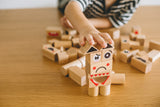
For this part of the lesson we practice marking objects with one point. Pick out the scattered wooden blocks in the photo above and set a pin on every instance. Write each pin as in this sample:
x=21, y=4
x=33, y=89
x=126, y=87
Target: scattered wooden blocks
x=73, y=53
x=141, y=64
x=78, y=75
x=153, y=55
x=49, y=51
x=118, y=78
x=125, y=43
x=136, y=30
x=62, y=57
x=154, y=45
x=54, y=31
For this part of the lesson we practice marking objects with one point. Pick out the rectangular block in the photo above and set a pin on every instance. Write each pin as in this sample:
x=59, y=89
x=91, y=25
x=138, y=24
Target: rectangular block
x=125, y=43
x=141, y=64
x=66, y=37
x=134, y=45
x=154, y=45
x=75, y=42
x=141, y=39
x=62, y=57
x=136, y=30
x=133, y=36
x=65, y=44
x=118, y=78
x=54, y=31
x=78, y=75
x=114, y=33
x=49, y=51
x=143, y=55
x=70, y=32
x=73, y=53
x=87, y=48
x=153, y=55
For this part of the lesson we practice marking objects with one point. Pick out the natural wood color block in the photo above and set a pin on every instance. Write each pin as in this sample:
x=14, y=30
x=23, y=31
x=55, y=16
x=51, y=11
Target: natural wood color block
x=105, y=90
x=93, y=91
x=134, y=45
x=136, y=30
x=113, y=32
x=118, y=78
x=80, y=54
x=49, y=51
x=65, y=44
x=54, y=31
x=132, y=36
x=66, y=37
x=143, y=55
x=78, y=75
x=75, y=42
x=73, y=53
x=114, y=54
x=141, y=64
x=62, y=57
x=87, y=48
x=141, y=39
x=52, y=40
x=153, y=55
x=154, y=45
x=71, y=32
x=79, y=63
x=125, y=43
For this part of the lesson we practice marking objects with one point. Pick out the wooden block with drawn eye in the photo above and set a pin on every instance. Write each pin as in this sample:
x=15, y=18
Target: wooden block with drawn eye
x=75, y=42
x=125, y=43
x=49, y=51
x=143, y=55
x=141, y=64
x=54, y=31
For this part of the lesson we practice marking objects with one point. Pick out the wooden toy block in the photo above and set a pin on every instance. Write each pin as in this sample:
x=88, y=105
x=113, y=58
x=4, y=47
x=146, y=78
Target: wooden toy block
x=78, y=75
x=143, y=55
x=118, y=78
x=71, y=32
x=52, y=40
x=80, y=54
x=136, y=30
x=105, y=90
x=62, y=57
x=75, y=42
x=73, y=53
x=133, y=36
x=114, y=54
x=116, y=43
x=87, y=48
x=54, y=31
x=65, y=44
x=153, y=55
x=125, y=55
x=154, y=45
x=125, y=43
x=79, y=63
x=134, y=45
x=141, y=64
x=141, y=39
x=49, y=51
x=66, y=37
x=93, y=91
x=114, y=33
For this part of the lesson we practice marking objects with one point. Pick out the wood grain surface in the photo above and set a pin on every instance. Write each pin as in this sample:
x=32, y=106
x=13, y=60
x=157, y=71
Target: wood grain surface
x=27, y=79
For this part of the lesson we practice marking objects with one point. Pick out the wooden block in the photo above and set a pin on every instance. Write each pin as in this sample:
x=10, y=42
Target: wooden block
x=75, y=42
x=153, y=55
x=93, y=91
x=73, y=53
x=136, y=30
x=49, y=51
x=114, y=33
x=65, y=44
x=143, y=55
x=87, y=48
x=141, y=64
x=62, y=57
x=71, y=32
x=52, y=40
x=66, y=37
x=114, y=55
x=141, y=39
x=79, y=63
x=154, y=45
x=78, y=75
x=105, y=90
x=133, y=36
x=118, y=78
x=125, y=43
x=80, y=54
x=134, y=45
x=54, y=31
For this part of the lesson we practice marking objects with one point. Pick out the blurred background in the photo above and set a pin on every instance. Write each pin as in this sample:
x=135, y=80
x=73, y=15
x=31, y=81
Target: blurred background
x=22, y=4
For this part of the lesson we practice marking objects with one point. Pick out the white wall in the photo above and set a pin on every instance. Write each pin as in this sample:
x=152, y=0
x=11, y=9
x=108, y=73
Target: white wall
x=20, y=4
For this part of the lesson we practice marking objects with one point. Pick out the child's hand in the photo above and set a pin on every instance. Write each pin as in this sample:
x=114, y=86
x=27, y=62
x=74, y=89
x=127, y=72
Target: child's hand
x=95, y=36
x=65, y=22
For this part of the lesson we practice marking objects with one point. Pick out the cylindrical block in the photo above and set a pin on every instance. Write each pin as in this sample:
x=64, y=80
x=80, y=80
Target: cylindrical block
x=93, y=91
x=118, y=78
x=65, y=44
x=62, y=57
x=105, y=90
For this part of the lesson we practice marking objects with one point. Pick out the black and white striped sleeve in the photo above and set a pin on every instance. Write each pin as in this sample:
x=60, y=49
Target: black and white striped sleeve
x=121, y=13
x=83, y=4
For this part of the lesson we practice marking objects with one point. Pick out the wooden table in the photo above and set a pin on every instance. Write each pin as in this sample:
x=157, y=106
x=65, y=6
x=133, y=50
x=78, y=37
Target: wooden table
x=27, y=79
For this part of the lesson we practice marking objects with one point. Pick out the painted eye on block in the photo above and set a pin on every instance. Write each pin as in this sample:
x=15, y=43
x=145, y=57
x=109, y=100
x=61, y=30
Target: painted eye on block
x=107, y=55
x=96, y=58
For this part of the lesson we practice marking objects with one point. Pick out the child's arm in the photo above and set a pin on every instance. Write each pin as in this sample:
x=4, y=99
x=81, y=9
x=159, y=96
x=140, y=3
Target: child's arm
x=87, y=31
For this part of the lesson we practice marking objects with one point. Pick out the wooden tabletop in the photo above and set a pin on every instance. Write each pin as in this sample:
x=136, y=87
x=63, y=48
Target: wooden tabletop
x=27, y=79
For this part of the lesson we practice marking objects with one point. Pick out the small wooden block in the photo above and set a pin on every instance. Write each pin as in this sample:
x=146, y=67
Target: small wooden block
x=153, y=55
x=136, y=30
x=141, y=39
x=118, y=78
x=154, y=45
x=133, y=36
x=62, y=57
x=80, y=54
x=75, y=42
x=65, y=44
x=49, y=51
x=134, y=45
x=52, y=40
x=54, y=31
x=66, y=37
x=93, y=91
x=79, y=63
x=105, y=90
x=71, y=32
x=143, y=55
x=73, y=53
x=114, y=33
x=125, y=43
x=87, y=48
x=141, y=64
x=78, y=75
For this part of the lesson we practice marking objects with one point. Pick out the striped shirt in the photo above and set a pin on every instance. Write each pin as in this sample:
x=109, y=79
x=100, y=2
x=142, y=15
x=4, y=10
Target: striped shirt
x=118, y=14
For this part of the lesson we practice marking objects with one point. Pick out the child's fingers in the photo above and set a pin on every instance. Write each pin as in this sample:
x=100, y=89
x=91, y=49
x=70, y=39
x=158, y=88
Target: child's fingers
x=100, y=40
x=81, y=40
x=107, y=37
x=89, y=38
